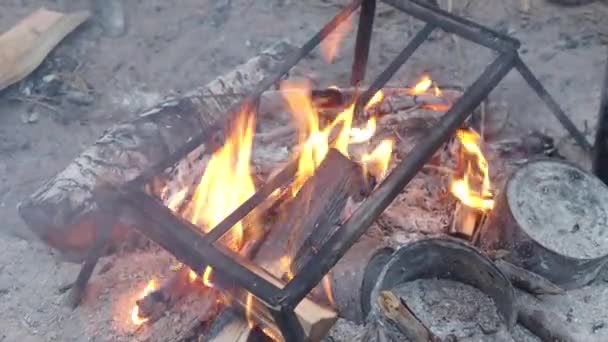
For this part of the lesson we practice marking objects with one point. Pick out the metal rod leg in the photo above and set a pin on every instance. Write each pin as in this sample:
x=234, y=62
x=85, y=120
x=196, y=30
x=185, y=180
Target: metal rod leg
x=600, y=147
x=540, y=90
x=288, y=324
x=364, y=39
x=103, y=236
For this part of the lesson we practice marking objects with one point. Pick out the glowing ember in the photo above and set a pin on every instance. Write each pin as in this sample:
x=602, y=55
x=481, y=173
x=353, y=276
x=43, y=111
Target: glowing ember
x=331, y=44
x=376, y=163
x=472, y=188
x=135, y=318
x=192, y=276
x=249, y=310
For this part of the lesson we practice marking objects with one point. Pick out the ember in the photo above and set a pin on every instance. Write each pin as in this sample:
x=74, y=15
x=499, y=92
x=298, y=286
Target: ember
x=135, y=318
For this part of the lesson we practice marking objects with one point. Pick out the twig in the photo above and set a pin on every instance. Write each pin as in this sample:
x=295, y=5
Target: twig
x=399, y=314
x=526, y=280
x=35, y=102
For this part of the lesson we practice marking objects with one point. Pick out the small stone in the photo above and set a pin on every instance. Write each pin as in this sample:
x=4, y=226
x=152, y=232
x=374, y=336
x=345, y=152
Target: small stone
x=79, y=98
x=30, y=118
x=49, y=78
x=597, y=326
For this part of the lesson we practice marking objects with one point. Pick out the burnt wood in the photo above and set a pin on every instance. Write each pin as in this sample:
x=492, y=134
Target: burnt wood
x=62, y=211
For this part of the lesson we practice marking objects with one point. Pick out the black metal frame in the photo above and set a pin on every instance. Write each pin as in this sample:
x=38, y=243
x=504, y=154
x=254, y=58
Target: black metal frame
x=282, y=301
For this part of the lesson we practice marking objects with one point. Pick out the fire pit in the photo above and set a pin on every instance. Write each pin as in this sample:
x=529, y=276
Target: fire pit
x=315, y=235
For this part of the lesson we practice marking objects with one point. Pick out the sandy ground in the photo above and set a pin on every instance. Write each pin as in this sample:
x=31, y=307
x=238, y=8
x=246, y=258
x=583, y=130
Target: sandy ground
x=174, y=45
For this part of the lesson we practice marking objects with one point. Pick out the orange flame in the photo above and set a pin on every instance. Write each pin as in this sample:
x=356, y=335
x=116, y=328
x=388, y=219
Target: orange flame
x=135, y=318
x=422, y=86
x=359, y=135
x=331, y=44
x=226, y=184
x=249, y=310
x=376, y=163
x=473, y=187
x=328, y=292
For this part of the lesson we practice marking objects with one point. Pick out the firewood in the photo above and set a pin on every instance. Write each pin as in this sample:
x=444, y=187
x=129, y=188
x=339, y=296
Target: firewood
x=526, y=280
x=26, y=45
x=397, y=312
x=544, y=323
x=318, y=203
x=548, y=217
x=465, y=221
x=61, y=211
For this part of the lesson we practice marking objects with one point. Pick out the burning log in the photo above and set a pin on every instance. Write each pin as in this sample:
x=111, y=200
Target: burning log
x=62, y=213
x=318, y=203
x=550, y=219
x=308, y=220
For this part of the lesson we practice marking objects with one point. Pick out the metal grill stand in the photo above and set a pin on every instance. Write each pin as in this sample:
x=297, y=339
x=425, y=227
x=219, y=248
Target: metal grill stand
x=197, y=250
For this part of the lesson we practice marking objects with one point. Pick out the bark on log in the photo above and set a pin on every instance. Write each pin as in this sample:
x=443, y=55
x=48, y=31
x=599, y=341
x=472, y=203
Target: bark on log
x=550, y=218
x=61, y=211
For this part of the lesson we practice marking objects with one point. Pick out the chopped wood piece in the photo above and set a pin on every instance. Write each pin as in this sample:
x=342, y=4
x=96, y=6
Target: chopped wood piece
x=526, y=280
x=465, y=221
x=400, y=315
x=26, y=45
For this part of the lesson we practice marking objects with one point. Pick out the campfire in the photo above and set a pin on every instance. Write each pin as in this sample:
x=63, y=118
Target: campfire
x=283, y=252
